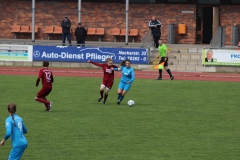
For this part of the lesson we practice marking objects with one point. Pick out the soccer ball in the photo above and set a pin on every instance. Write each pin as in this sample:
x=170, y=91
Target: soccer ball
x=131, y=103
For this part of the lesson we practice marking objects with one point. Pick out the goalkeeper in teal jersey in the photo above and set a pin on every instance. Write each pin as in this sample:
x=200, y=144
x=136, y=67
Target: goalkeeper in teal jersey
x=15, y=129
x=126, y=80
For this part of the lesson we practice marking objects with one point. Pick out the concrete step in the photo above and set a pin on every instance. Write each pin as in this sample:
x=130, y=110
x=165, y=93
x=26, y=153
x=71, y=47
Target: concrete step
x=181, y=49
x=188, y=68
x=179, y=55
x=197, y=62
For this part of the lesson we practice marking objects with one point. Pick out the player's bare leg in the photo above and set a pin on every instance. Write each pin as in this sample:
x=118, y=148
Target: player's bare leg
x=101, y=93
x=106, y=95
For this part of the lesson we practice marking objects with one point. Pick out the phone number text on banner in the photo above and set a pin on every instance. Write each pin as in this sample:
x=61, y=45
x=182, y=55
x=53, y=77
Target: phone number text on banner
x=83, y=54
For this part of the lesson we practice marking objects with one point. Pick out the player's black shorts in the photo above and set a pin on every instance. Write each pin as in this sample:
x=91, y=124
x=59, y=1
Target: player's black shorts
x=162, y=60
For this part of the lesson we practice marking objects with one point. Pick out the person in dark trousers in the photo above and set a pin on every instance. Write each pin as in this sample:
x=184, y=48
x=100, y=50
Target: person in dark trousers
x=66, y=26
x=80, y=34
x=155, y=26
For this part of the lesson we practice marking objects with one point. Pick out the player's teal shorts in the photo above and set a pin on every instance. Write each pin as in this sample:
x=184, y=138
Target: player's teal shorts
x=124, y=86
x=17, y=152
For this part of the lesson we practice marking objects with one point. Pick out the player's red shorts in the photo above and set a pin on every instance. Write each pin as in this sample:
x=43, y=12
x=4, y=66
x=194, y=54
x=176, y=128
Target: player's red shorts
x=107, y=83
x=44, y=92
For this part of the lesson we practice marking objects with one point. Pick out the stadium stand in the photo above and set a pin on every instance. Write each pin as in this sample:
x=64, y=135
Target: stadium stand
x=91, y=31
x=133, y=33
x=35, y=29
x=15, y=30
x=115, y=33
x=48, y=31
x=24, y=29
x=100, y=32
x=57, y=30
x=123, y=32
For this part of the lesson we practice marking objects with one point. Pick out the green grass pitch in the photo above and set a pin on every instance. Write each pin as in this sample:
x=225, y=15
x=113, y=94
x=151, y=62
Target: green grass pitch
x=171, y=120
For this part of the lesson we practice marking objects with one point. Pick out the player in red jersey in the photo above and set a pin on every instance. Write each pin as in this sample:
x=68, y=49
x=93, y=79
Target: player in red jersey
x=47, y=79
x=108, y=78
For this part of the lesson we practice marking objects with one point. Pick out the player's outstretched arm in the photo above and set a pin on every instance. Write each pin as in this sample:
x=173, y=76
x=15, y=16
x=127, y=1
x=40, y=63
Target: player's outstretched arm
x=95, y=63
x=116, y=69
x=2, y=142
x=8, y=132
x=37, y=82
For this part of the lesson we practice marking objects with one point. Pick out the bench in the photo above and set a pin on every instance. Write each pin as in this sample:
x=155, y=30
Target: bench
x=122, y=32
x=48, y=31
x=133, y=33
x=100, y=32
x=96, y=31
x=15, y=30
x=22, y=29
x=35, y=29
x=57, y=30
x=115, y=33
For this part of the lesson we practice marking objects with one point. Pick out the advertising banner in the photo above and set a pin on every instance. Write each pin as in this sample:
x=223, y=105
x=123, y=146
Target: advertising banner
x=221, y=57
x=16, y=52
x=83, y=54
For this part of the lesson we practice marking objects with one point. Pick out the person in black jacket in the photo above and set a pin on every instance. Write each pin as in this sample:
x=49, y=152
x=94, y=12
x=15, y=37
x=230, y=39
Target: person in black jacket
x=66, y=26
x=80, y=34
x=155, y=26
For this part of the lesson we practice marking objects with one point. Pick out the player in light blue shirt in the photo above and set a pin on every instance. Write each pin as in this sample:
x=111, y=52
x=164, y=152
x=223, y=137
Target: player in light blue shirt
x=126, y=80
x=15, y=129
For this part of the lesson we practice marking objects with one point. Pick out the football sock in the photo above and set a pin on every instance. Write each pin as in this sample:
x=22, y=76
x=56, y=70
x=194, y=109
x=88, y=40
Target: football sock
x=169, y=72
x=46, y=105
x=101, y=93
x=42, y=100
x=121, y=98
x=160, y=73
x=119, y=95
x=105, y=97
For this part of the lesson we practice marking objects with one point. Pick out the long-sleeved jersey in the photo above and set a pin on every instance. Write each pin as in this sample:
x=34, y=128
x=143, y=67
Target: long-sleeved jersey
x=15, y=132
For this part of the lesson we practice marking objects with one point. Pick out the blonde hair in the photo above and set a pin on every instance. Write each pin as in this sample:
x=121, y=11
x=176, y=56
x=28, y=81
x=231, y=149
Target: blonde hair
x=108, y=60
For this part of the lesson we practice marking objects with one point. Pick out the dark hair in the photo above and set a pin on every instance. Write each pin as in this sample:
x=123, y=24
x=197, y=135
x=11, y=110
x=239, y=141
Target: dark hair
x=123, y=63
x=12, y=109
x=45, y=63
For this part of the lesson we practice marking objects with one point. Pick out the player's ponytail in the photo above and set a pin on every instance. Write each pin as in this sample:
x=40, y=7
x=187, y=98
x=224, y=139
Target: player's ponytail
x=12, y=109
x=123, y=63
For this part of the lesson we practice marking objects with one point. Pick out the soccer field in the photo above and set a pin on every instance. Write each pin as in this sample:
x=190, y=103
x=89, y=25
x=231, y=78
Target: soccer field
x=171, y=120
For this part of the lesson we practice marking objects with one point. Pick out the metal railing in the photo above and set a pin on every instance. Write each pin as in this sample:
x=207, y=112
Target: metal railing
x=147, y=40
x=219, y=38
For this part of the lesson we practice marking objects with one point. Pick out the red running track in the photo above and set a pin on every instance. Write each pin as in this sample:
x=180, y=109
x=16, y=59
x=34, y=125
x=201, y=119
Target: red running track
x=198, y=76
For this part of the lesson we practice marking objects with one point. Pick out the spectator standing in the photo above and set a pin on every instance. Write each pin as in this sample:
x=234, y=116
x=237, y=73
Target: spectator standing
x=66, y=26
x=80, y=34
x=155, y=26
